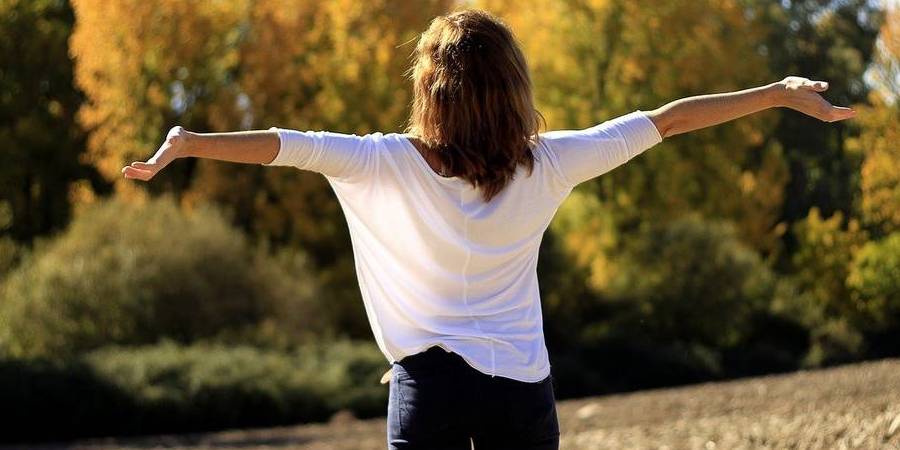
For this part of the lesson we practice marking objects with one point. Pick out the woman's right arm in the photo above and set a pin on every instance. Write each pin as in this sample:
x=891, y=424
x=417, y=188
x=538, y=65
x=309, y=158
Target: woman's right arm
x=701, y=111
x=249, y=147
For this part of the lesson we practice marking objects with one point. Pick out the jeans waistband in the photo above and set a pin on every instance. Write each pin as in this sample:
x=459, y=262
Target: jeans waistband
x=434, y=356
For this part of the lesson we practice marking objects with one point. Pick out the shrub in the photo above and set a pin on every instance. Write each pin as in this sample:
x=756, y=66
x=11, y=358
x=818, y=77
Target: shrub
x=688, y=302
x=621, y=361
x=874, y=282
x=874, y=279
x=773, y=343
x=816, y=292
x=9, y=249
x=128, y=273
x=820, y=264
x=51, y=400
x=172, y=388
x=694, y=282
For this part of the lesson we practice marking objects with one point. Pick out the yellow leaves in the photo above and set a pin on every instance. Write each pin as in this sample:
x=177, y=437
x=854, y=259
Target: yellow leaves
x=632, y=71
x=303, y=64
x=826, y=248
x=589, y=237
x=874, y=279
x=888, y=59
x=341, y=69
x=890, y=32
x=128, y=53
x=227, y=65
x=828, y=233
x=748, y=182
x=880, y=171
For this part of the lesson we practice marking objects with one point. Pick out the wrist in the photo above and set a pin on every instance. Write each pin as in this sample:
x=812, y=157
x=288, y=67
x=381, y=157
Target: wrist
x=187, y=143
x=776, y=94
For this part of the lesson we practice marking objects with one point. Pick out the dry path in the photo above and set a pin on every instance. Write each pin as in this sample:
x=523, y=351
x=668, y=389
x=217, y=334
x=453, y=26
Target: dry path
x=855, y=406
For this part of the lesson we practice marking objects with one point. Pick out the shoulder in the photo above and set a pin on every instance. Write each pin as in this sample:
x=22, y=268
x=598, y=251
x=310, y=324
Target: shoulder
x=396, y=142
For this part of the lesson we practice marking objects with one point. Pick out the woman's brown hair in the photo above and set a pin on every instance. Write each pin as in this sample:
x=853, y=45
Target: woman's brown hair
x=472, y=99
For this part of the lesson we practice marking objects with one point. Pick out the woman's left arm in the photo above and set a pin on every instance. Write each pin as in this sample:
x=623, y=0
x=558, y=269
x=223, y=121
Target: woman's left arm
x=701, y=111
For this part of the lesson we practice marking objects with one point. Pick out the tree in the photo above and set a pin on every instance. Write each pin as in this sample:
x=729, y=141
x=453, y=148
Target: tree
x=829, y=41
x=42, y=142
x=880, y=175
x=145, y=65
x=886, y=70
x=215, y=66
x=879, y=134
x=593, y=60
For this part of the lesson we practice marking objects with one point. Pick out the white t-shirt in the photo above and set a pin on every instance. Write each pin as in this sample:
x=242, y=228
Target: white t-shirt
x=436, y=264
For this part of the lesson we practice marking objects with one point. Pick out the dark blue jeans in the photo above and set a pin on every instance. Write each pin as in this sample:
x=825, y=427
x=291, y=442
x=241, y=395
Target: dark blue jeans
x=438, y=402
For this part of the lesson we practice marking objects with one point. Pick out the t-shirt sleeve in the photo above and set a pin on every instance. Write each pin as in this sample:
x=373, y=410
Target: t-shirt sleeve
x=581, y=155
x=337, y=155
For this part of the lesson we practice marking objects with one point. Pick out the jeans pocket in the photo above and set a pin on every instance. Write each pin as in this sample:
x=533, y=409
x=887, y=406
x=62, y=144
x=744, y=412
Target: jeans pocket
x=426, y=404
x=533, y=406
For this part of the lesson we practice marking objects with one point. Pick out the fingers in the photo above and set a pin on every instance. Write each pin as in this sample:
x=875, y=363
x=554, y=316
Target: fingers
x=840, y=113
x=137, y=174
x=142, y=170
x=830, y=113
x=816, y=106
x=143, y=165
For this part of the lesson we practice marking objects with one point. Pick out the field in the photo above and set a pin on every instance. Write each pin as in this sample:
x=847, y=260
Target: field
x=854, y=406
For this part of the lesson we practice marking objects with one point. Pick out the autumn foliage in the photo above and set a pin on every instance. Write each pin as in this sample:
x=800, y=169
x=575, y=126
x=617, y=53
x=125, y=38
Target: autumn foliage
x=768, y=243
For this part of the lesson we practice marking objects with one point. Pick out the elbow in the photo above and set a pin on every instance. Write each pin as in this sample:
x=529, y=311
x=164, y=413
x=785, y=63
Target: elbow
x=667, y=130
x=665, y=121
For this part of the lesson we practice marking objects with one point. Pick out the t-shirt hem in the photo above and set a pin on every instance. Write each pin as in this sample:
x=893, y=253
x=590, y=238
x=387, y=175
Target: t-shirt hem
x=483, y=369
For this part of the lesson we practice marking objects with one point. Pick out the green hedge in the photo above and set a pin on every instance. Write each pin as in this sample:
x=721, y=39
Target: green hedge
x=170, y=388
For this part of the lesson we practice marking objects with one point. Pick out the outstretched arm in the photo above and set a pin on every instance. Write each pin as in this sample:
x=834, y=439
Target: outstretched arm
x=249, y=147
x=701, y=111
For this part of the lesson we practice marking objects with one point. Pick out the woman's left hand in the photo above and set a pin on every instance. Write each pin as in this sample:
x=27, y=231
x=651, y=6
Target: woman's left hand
x=172, y=148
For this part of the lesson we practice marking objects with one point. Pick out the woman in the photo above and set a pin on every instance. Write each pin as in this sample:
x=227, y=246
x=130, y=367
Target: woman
x=446, y=221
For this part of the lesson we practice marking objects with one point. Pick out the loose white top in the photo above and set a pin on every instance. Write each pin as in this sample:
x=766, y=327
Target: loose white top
x=436, y=264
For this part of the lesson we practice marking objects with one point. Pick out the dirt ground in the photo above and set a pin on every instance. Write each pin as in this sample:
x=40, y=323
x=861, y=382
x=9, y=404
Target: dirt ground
x=856, y=406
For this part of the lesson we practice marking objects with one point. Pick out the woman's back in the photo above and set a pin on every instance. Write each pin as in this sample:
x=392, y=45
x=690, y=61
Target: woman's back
x=437, y=265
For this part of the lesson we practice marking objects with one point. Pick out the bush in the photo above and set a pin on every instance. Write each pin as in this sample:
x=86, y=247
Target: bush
x=688, y=302
x=773, y=343
x=820, y=264
x=874, y=281
x=9, y=254
x=694, y=282
x=128, y=273
x=52, y=400
x=9, y=249
x=620, y=362
x=171, y=388
x=816, y=292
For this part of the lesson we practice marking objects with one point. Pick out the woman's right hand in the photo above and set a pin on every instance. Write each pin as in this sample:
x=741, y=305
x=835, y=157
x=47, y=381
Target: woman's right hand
x=172, y=148
x=802, y=94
